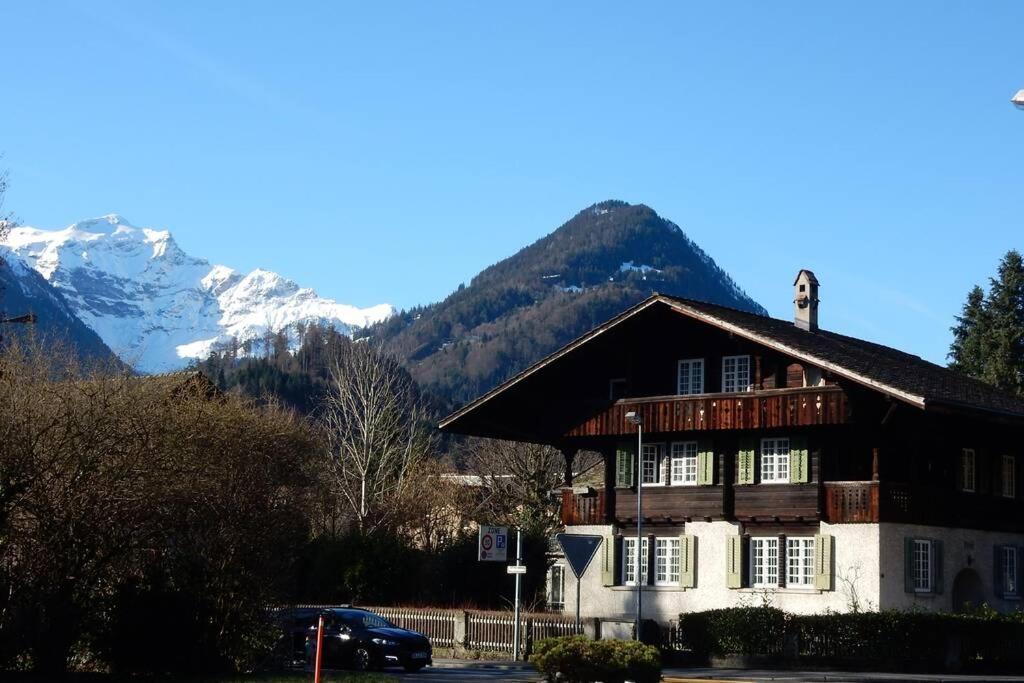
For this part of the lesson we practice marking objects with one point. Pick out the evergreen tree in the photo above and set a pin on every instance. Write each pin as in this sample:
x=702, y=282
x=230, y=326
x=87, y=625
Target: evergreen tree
x=1004, y=352
x=966, y=353
x=988, y=339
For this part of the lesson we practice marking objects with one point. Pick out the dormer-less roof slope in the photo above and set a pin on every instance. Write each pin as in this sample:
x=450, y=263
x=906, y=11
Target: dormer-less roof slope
x=903, y=376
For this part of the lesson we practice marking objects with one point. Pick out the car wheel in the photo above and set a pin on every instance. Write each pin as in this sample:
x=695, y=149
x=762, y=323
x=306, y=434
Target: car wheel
x=362, y=659
x=413, y=667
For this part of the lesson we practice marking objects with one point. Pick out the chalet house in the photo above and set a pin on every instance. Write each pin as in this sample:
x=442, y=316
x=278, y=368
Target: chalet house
x=780, y=462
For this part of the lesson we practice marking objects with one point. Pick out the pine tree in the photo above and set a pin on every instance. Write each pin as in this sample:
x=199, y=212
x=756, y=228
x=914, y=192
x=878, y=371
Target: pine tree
x=966, y=353
x=1004, y=340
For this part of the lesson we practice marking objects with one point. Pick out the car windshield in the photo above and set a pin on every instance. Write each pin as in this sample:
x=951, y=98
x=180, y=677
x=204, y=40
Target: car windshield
x=365, y=620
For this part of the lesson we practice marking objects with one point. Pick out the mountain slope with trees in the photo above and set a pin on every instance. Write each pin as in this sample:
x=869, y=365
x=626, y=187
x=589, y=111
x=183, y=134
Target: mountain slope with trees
x=603, y=260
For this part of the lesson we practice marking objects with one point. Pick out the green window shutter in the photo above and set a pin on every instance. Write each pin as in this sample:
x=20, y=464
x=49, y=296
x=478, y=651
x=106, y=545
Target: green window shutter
x=625, y=464
x=608, y=560
x=799, y=472
x=908, y=565
x=937, y=566
x=705, y=463
x=824, y=558
x=734, y=561
x=687, y=561
x=745, y=464
x=997, y=571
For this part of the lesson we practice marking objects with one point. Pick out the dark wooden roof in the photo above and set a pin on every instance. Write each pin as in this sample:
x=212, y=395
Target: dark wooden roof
x=895, y=373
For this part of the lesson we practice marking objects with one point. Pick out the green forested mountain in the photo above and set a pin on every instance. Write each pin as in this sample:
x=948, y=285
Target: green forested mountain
x=603, y=260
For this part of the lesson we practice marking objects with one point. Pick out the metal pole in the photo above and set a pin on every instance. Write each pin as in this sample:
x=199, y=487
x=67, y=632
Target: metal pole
x=638, y=576
x=579, y=580
x=319, y=648
x=515, y=625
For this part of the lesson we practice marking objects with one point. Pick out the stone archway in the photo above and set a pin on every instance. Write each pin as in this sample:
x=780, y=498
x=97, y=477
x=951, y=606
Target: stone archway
x=968, y=593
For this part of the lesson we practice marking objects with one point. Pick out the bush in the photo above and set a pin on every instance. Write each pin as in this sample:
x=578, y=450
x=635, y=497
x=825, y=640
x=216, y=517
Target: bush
x=985, y=640
x=581, y=660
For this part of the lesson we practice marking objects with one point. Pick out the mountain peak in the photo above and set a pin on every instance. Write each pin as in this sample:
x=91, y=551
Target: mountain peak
x=103, y=224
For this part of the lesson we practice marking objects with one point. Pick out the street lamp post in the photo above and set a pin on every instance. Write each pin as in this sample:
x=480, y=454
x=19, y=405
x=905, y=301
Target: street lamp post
x=635, y=419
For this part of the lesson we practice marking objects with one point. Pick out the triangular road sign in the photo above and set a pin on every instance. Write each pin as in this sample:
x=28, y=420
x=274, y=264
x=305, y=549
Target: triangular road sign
x=579, y=550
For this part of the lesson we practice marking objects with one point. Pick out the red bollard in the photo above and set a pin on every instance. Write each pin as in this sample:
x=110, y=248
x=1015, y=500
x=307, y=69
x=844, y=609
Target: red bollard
x=319, y=648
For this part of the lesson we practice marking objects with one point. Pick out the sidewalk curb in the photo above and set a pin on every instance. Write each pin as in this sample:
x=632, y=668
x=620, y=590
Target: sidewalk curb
x=484, y=664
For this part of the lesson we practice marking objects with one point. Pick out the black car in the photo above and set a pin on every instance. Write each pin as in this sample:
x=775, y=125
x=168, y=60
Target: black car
x=359, y=639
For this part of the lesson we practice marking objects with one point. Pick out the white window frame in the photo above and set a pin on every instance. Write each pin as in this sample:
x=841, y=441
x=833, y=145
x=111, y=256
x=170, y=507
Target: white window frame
x=968, y=470
x=683, y=468
x=694, y=380
x=1009, y=478
x=659, y=464
x=764, y=562
x=667, y=556
x=629, y=561
x=923, y=574
x=800, y=562
x=1009, y=572
x=559, y=582
x=732, y=380
x=775, y=460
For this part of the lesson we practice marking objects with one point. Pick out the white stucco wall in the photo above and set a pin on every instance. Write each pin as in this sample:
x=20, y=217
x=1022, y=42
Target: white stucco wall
x=962, y=549
x=855, y=564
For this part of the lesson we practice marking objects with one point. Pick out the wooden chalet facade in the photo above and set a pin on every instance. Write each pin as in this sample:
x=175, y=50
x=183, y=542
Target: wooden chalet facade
x=825, y=471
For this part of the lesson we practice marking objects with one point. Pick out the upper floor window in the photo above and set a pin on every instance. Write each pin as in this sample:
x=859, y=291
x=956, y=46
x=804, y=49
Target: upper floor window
x=690, y=379
x=684, y=463
x=967, y=469
x=616, y=388
x=1009, y=477
x=629, y=561
x=800, y=562
x=775, y=461
x=922, y=565
x=650, y=464
x=666, y=562
x=735, y=373
x=764, y=562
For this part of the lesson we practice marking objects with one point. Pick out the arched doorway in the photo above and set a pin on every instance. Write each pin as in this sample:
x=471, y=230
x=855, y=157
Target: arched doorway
x=968, y=593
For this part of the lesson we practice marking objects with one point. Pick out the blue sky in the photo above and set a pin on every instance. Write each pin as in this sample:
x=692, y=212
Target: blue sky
x=389, y=151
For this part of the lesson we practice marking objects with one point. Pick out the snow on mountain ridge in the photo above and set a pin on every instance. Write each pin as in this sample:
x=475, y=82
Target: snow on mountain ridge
x=156, y=306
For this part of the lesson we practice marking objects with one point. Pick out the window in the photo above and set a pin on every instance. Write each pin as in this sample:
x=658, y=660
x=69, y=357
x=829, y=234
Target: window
x=616, y=388
x=800, y=562
x=556, y=587
x=735, y=373
x=764, y=562
x=684, y=463
x=775, y=461
x=1008, y=570
x=967, y=470
x=691, y=376
x=650, y=465
x=629, y=561
x=1009, y=477
x=922, y=571
x=666, y=561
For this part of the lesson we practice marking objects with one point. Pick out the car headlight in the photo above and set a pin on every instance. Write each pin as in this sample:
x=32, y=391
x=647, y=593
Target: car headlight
x=385, y=642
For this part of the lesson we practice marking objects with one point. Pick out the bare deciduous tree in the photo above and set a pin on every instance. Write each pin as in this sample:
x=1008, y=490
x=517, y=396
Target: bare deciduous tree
x=377, y=429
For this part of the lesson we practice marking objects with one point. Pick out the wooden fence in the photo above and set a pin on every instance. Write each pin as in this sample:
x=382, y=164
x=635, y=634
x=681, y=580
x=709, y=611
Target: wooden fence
x=473, y=629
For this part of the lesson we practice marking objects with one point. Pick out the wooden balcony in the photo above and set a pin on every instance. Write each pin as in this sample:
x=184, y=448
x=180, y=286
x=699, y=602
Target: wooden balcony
x=851, y=502
x=799, y=407
x=776, y=502
x=672, y=504
x=583, y=508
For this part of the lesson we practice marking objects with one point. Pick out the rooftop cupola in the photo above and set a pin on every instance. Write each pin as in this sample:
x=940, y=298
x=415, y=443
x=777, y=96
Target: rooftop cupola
x=805, y=301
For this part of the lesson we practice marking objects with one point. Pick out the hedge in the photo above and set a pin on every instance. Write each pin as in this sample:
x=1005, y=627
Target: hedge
x=889, y=639
x=577, y=659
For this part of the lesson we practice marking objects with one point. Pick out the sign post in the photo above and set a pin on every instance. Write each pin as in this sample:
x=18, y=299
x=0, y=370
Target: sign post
x=579, y=550
x=519, y=575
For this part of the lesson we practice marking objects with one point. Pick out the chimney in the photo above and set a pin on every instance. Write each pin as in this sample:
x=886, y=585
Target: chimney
x=805, y=301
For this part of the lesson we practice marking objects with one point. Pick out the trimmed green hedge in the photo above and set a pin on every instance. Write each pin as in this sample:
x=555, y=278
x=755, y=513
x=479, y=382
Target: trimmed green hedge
x=891, y=639
x=581, y=660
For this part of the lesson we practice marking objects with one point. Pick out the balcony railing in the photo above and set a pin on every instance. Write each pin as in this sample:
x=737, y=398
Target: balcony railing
x=583, y=508
x=851, y=501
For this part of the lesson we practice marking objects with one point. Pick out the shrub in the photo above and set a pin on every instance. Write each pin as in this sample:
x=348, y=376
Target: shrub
x=581, y=660
x=739, y=630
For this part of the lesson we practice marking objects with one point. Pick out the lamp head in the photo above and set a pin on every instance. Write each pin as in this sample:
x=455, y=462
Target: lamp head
x=1018, y=99
x=633, y=418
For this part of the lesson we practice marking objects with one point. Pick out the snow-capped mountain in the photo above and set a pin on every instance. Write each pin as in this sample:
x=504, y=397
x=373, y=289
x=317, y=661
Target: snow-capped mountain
x=157, y=307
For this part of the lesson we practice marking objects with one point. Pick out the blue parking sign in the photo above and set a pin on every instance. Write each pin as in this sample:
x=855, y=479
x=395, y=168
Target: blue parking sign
x=499, y=541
